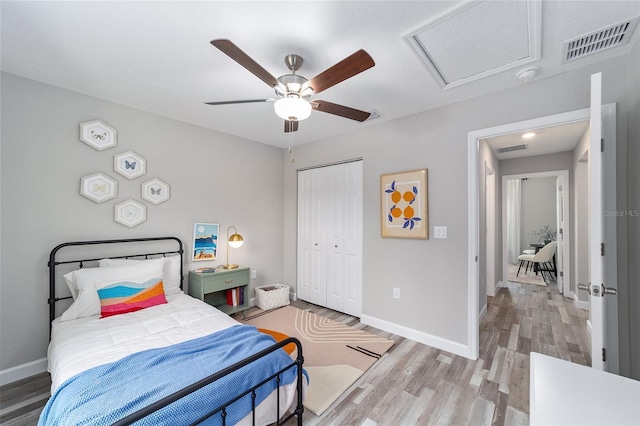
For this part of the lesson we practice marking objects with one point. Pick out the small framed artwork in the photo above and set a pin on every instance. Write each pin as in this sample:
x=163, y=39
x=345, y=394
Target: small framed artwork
x=403, y=204
x=155, y=191
x=98, y=187
x=98, y=134
x=130, y=213
x=129, y=164
x=205, y=241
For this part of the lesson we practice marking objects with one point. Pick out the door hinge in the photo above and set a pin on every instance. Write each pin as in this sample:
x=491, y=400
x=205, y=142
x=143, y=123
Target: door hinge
x=604, y=355
x=601, y=145
x=601, y=249
x=561, y=232
x=476, y=258
x=561, y=274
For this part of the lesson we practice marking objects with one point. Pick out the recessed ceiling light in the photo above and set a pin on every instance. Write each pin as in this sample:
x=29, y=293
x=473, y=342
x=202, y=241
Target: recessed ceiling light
x=528, y=135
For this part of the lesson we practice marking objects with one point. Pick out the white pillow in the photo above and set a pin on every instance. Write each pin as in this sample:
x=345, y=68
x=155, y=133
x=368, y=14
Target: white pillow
x=83, y=281
x=171, y=270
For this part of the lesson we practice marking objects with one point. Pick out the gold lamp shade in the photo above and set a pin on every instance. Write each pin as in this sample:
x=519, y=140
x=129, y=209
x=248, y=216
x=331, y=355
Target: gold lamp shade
x=234, y=240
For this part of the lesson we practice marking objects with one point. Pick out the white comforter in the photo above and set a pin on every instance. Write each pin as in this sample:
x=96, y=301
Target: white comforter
x=88, y=342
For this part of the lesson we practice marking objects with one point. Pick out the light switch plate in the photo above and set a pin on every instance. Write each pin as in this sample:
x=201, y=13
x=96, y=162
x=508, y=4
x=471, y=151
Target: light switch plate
x=439, y=232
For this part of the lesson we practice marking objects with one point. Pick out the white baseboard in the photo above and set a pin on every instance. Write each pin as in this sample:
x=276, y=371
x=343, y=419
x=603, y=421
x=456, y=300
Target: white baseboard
x=23, y=371
x=293, y=296
x=581, y=304
x=418, y=336
x=483, y=312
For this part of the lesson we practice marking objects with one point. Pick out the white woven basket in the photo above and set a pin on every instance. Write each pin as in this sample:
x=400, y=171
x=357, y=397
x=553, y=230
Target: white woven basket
x=272, y=296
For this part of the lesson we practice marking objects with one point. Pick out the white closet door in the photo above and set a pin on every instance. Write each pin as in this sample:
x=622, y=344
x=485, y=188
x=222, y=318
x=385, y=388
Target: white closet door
x=304, y=235
x=318, y=267
x=335, y=237
x=353, y=239
x=330, y=237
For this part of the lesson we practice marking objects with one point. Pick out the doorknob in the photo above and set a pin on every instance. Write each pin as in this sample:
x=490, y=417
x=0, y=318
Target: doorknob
x=585, y=287
x=609, y=290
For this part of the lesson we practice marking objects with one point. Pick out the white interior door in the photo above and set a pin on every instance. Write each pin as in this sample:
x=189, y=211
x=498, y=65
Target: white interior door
x=560, y=227
x=596, y=230
x=330, y=237
x=352, y=242
x=319, y=206
x=304, y=235
x=334, y=228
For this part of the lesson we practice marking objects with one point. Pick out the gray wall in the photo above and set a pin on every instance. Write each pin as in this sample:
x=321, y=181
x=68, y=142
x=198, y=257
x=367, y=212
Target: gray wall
x=433, y=273
x=538, y=208
x=213, y=177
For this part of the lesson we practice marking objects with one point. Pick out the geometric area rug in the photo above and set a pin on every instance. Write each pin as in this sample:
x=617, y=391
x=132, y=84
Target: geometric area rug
x=335, y=355
x=528, y=277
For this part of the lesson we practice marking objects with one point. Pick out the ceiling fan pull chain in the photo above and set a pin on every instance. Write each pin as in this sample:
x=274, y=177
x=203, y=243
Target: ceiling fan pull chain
x=291, y=147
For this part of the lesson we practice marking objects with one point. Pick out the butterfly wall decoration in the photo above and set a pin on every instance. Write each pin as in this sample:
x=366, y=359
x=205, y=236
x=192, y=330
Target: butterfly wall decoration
x=98, y=187
x=155, y=191
x=129, y=164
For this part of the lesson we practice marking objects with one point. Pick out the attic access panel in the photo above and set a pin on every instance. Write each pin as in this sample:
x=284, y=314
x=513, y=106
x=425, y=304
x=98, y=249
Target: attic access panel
x=478, y=39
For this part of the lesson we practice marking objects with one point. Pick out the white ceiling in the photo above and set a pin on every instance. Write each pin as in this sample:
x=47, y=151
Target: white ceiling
x=547, y=140
x=156, y=56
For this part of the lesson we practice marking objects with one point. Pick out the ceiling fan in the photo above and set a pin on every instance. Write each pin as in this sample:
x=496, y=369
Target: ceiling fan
x=294, y=91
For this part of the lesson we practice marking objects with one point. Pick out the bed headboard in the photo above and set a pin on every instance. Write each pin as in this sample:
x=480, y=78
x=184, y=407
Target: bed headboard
x=172, y=245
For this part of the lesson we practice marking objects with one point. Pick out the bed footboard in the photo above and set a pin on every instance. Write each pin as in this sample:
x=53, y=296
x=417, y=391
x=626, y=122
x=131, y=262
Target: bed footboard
x=222, y=409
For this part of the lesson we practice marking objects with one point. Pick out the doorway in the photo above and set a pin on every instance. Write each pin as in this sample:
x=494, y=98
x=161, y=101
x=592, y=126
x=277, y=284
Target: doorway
x=550, y=213
x=474, y=138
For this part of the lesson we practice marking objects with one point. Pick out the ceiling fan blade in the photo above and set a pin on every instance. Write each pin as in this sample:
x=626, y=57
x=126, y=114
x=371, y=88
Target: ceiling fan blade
x=341, y=110
x=290, y=126
x=247, y=101
x=347, y=68
x=234, y=52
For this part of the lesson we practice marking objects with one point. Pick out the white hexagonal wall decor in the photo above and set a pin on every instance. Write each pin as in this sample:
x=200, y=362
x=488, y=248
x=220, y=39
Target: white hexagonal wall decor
x=130, y=213
x=98, y=187
x=98, y=134
x=155, y=191
x=129, y=164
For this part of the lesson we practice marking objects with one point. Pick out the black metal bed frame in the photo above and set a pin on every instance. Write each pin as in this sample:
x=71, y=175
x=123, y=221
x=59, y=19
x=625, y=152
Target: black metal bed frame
x=207, y=380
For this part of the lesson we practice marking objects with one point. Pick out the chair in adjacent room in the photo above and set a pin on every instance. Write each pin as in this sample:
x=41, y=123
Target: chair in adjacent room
x=541, y=261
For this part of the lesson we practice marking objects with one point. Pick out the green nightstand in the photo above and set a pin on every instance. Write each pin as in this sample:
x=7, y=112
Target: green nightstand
x=212, y=287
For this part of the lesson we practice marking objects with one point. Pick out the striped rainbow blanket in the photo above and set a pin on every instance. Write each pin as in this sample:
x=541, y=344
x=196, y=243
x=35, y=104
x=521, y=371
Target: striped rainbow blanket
x=107, y=393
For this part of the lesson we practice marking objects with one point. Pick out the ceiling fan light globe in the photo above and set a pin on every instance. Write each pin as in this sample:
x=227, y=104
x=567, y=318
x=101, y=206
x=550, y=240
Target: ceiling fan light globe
x=293, y=108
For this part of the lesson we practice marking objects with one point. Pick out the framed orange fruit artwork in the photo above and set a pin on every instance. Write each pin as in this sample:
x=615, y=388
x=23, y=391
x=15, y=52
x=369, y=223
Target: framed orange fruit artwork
x=403, y=204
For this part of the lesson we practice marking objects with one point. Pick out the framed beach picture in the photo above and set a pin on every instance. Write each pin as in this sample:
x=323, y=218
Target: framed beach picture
x=403, y=204
x=205, y=241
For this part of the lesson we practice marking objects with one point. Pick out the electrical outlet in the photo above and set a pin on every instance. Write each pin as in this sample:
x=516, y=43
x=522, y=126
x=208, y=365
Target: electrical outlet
x=254, y=274
x=396, y=293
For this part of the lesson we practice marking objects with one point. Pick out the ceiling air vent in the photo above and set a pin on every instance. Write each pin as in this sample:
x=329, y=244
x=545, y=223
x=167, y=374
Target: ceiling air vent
x=512, y=148
x=374, y=114
x=606, y=38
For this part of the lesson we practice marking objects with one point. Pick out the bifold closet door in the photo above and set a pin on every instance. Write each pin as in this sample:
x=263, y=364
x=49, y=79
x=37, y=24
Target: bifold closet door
x=330, y=237
x=344, y=243
x=311, y=237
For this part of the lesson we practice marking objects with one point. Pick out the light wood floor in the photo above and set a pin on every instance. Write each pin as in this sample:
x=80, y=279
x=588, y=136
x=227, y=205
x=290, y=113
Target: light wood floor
x=417, y=384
